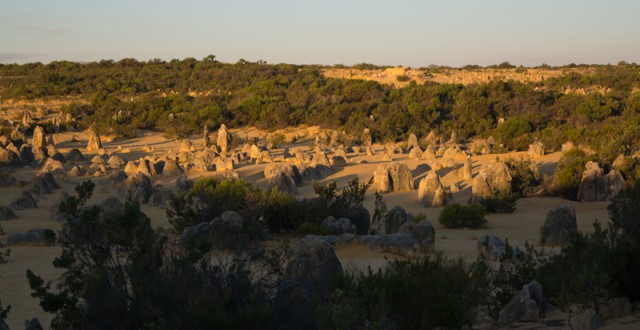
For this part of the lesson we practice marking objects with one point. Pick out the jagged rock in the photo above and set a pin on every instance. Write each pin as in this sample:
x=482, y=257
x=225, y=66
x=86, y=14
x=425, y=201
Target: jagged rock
x=223, y=164
x=137, y=187
x=76, y=171
x=423, y=231
x=270, y=142
x=224, y=139
x=94, y=142
x=26, y=201
x=316, y=172
x=265, y=157
x=366, y=138
x=412, y=141
x=36, y=236
x=466, y=169
x=369, y=151
x=454, y=138
x=117, y=178
x=493, y=180
x=431, y=192
x=131, y=168
x=338, y=161
x=43, y=184
x=75, y=155
x=335, y=138
x=320, y=158
x=415, y=153
x=145, y=167
x=490, y=247
x=116, y=162
x=393, y=177
x=6, y=213
x=186, y=146
x=171, y=168
x=428, y=153
x=395, y=218
x=339, y=226
x=254, y=153
x=205, y=137
x=8, y=158
x=53, y=166
x=454, y=152
x=529, y=305
x=360, y=217
x=38, y=140
x=560, y=224
x=536, y=149
x=432, y=139
x=595, y=186
x=26, y=154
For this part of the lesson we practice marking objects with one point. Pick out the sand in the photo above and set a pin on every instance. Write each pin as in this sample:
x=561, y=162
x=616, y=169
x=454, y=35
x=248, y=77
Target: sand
x=518, y=227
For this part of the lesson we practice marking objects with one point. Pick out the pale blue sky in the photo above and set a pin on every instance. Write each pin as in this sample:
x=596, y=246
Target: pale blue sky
x=401, y=32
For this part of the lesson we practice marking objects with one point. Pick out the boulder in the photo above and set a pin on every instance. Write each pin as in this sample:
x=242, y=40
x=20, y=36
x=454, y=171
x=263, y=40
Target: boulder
x=38, y=140
x=428, y=153
x=75, y=155
x=131, y=168
x=33, y=324
x=26, y=154
x=536, y=149
x=366, y=138
x=415, y=153
x=394, y=218
x=431, y=138
x=52, y=166
x=36, y=236
x=224, y=139
x=186, y=146
x=412, y=142
x=393, y=177
x=43, y=184
x=316, y=172
x=270, y=142
x=528, y=305
x=423, y=231
x=490, y=247
x=338, y=161
x=171, y=168
x=54, y=153
x=559, y=225
x=431, y=192
x=8, y=158
x=117, y=178
x=223, y=164
x=466, y=169
x=339, y=226
x=6, y=213
x=360, y=217
x=183, y=184
x=595, y=186
x=25, y=201
x=116, y=162
x=137, y=187
x=94, y=142
x=55, y=207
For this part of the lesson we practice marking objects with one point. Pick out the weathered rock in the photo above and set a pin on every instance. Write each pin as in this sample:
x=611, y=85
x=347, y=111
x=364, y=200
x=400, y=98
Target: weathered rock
x=480, y=189
x=560, y=224
x=52, y=166
x=536, y=149
x=94, y=142
x=6, y=213
x=428, y=153
x=490, y=247
x=186, y=146
x=432, y=139
x=404, y=244
x=454, y=138
x=183, y=184
x=316, y=172
x=528, y=305
x=265, y=157
x=38, y=140
x=366, y=138
x=466, y=169
x=171, y=168
x=33, y=324
x=137, y=187
x=76, y=171
x=431, y=192
x=131, y=168
x=339, y=226
x=75, y=155
x=8, y=158
x=360, y=217
x=270, y=142
x=145, y=167
x=55, y=207
x=595, y=186
x=415, y=153
x=454, y=152
x=25, y=201
x=223, y=164
x=492, y=180
x=54, y=153
x=224, y=139
x=338, y=161
x=43, y=184
x=395, y=218
x=36, y=236
x=283, y=182
x=205, y=137
x=116, y=162
x=393, y=177
x=117, y=178
x=412, y=141
x=423, y=231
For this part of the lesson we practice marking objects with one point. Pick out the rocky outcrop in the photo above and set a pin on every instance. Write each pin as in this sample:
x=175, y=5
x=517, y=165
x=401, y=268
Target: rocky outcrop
x=490, y=247
x=492, y=181
x=224, y=139
x=94, y=142
x=595, y=186
x=394, y=219
x=36, y=236
x=38, y=140
x=559, y=225
x=393, y=177
x=360, y=217
x=467, y=167
x=431, y=192
x=366, y=138
x=423, y=231
x=536, y=149
x=339, y=226
x=137, y=187
x=412, y=141
x=529, y=305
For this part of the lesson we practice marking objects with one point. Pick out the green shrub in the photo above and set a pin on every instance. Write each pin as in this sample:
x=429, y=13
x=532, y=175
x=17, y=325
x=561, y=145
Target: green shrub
x=282, y=211
x=505, y=203
x=418, y=293
x=463, y=216
x=513, y=133
x=402, y=78
x=566, y=180
x=312, y=228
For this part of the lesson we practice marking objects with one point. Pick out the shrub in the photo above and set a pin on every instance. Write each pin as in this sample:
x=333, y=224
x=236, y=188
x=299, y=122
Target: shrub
x=513, y=133
x=463, y=216
x=281, y=211
x=505, y=203
x=418, y=293
x=402, y=78
x=567, y=177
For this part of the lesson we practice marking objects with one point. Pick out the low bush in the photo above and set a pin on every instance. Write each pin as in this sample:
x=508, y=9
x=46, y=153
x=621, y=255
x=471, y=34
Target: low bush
x=463, y=216
x=566, y=180
x=418, y=293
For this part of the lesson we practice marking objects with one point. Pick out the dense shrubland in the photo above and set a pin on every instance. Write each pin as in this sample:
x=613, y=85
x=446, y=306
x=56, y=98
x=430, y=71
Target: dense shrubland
x=275, y=96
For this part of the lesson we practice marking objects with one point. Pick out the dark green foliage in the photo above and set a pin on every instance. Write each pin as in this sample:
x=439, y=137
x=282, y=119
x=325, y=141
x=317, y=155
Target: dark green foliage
x=566, y=180
x=282, y=211
x=118, y=273
x=330, y=202
x=377, y=220
x=513, y=133
x=624, y=210
x=418, y=293
x=463, y=216
x=504, y=203
x=402, y=78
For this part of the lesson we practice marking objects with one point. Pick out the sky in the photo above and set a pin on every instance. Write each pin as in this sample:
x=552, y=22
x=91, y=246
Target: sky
x=401, y=32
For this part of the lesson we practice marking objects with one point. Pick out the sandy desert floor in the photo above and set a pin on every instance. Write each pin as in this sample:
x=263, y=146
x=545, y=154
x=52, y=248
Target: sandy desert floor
x=518, y=227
